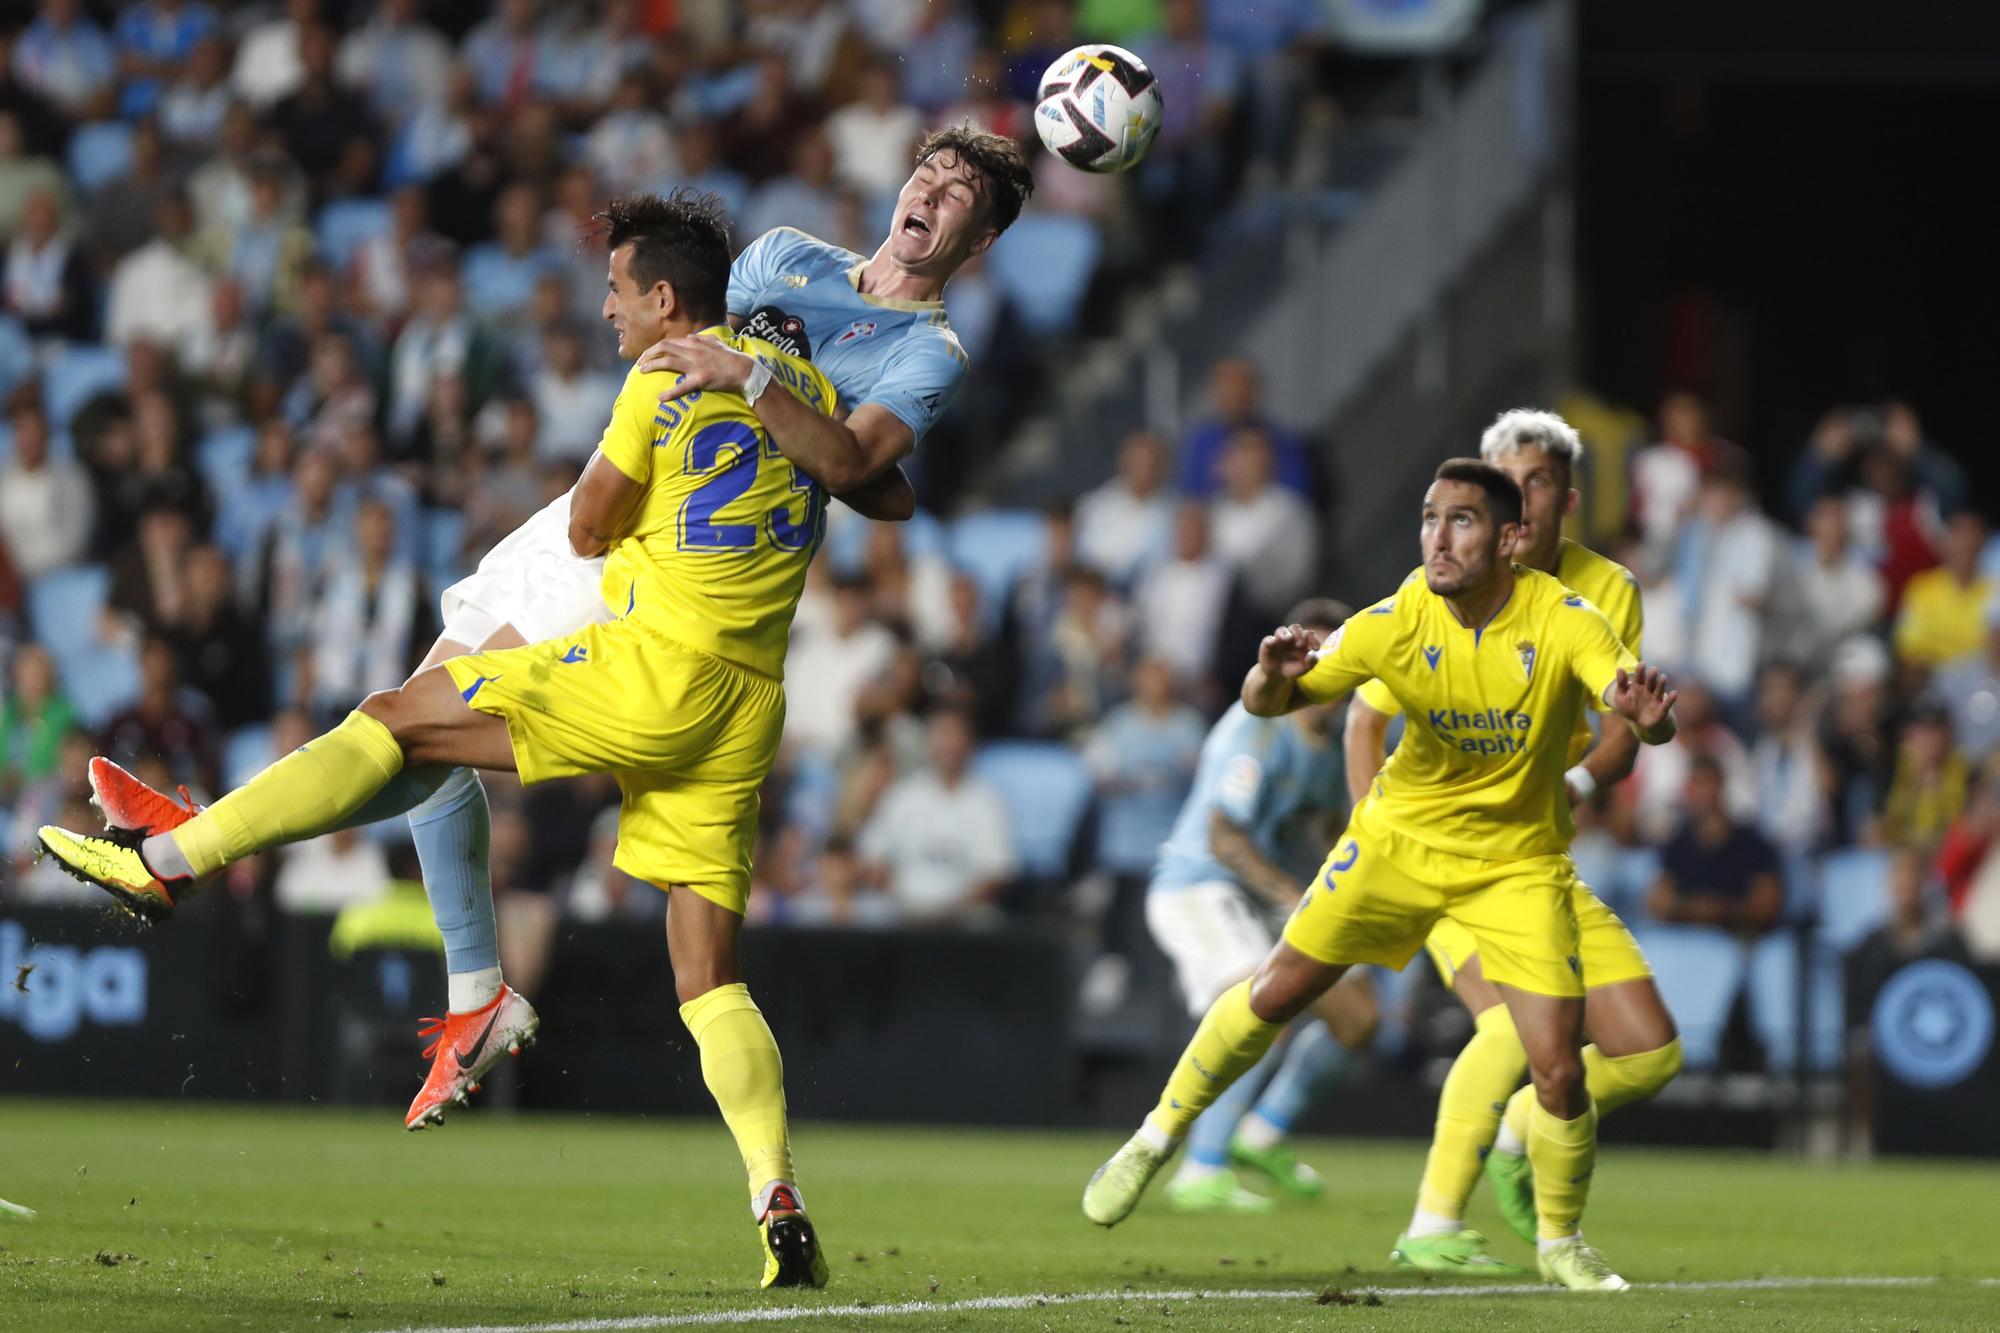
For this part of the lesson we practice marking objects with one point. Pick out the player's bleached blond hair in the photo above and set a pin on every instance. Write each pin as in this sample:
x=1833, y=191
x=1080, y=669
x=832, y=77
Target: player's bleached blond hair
x=1530, y=428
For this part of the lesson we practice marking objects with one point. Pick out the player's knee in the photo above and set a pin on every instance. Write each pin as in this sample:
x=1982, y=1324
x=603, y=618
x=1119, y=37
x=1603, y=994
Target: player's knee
x=1559, y=1083
x=391, y=709
x=1287, y=984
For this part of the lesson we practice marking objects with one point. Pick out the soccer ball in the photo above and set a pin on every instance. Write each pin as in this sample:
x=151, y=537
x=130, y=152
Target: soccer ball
x=1099, y=108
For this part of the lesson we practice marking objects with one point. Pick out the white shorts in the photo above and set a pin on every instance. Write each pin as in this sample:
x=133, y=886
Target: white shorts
x=1215, y=935
x=532, y=580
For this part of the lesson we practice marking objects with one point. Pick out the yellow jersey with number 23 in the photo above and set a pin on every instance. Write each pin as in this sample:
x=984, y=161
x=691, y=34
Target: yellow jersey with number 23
x=715, y=554
x=1489, y=711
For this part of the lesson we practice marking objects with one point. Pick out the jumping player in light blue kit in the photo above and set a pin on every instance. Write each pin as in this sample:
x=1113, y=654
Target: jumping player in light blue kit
x=1220, y=893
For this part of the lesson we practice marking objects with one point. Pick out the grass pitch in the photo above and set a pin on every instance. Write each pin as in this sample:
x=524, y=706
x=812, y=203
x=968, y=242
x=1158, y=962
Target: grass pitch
x=174, y=1216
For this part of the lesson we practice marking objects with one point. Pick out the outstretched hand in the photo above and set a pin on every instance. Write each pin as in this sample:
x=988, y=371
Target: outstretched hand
x=1641, y=697
x=702, y=363
x=1287, y=652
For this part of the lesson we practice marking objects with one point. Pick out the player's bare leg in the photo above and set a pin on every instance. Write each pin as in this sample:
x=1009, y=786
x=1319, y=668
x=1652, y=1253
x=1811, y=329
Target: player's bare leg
x=740, y=1064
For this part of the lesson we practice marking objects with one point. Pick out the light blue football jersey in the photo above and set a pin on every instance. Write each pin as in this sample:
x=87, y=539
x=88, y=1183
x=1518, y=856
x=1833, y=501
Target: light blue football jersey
x=799, y=293
x=1268, y=778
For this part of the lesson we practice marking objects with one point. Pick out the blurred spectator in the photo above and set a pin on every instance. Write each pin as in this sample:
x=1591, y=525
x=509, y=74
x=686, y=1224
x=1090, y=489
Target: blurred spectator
x=38, y=127
x=440, y=135
x=527, y=908
x=149, y=576
x=805, y=197
x=269, y=61
x=503, y=52
x=1970, y=688
x=328, y=132
x=819, y=38
x=1928, y=790
x=35, y=719
x=66, y=58
x=298, y=552
x=46, y=504
x=197, y=97
x=59, y=795
x=631, y=147
x=268, y=249
x=1666, y=475
x=1661, y=774
x=396, y=58
x=982, y=97
x=155, y=39
x=500, y=274
x=1143, y=757
x=222, y=651
x=966, y=672
x=219, y=188
x=939, y=65
x=158, y=292
x=440, y=339
x=912, y=591
x=288, y=344
x=758, y=136
x=1733, y=554
x=599, y=890
x=24, y=175
x=1181, y=603
x=703, y=167
x=1944, y=609
x=1898, y=484
x=327, y=873
x=1965, y=859
x=1038, y=31
x=1200, y=86
x=1840, y=593
x=1235, y=398
x=839, y=892
x=1268, y=535
x=369, y=625
x=1036, y=598
x=383, y=268
x=1787, y=771
x=940, y=839
x=334, y=398
x=1073, y=671
x=48, y=283
x=586, y=50
x=1126, y=525
x=1856, y=737
x=1914, y=928
x=124, y=208
x=572, y=401
x=169, y=721
x=874, y=137
x=1715, y=871
x=826, y=671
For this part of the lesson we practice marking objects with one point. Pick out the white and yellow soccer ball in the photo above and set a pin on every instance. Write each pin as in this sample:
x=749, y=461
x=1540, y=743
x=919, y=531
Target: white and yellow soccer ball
x=1099, y=108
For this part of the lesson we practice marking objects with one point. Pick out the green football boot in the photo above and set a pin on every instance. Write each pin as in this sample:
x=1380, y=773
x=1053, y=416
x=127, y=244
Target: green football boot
x=1114, y=1190
x=1514, y=1190
x=1281, y=1167
x=1461, y=1252
x=1217, y=1192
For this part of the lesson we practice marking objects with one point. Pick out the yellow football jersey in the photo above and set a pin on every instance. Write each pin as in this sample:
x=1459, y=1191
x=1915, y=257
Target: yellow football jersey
x=1480, y=767
x=1610, y=588
x=716, y=552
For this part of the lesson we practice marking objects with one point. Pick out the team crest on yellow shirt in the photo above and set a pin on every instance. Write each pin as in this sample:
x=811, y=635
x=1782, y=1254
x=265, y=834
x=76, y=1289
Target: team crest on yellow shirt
x=1527, y=651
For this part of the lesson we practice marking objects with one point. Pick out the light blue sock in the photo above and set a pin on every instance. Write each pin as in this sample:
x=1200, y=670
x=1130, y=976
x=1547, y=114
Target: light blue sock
x=1309, y=1064
x=452, y=830
x=404, y=793
x=1208, y=1137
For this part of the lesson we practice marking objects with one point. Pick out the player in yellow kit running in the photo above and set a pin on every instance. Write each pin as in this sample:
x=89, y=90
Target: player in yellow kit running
x=1634, y=1049
x=1469, y=822
x=707, y=530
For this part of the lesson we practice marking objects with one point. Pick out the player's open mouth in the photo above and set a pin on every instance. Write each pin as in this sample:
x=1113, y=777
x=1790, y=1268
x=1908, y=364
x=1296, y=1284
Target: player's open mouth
x=915, y=226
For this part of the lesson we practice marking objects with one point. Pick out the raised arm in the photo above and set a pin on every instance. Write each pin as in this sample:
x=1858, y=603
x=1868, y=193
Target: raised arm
x=1270, y=689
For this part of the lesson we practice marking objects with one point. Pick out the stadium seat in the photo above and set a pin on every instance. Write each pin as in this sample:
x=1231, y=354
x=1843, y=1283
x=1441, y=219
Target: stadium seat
x=224, y=457
x=996, y=547
x=847, y=535
x=1044, y=263
x=1700, y=971
x=1047, y=791
x=99, y=153
x=345, y=223
x=64, y=606
x=1853, y=896
x=76, y=375
x=1774, y=1002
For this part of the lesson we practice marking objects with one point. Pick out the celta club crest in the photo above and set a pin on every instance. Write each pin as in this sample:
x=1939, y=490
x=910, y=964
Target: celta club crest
x=860, y=328
x=1527, y=652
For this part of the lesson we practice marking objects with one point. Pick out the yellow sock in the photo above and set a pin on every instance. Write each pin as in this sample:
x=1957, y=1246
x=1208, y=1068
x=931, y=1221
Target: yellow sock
x=740, y=1064
x=1230, y=1040
x=1475, y=1092
x=1613, y=1080
x=306, y=793
x=1563, y=1153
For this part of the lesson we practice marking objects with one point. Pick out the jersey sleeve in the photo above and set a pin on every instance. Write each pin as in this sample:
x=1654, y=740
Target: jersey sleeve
x=1379, y=697
x=1347, y=659
x=751, y=276
x=1623, y=608
x=628, y=438
x=1244, y=769
x=1596, y=653
x=920, y=380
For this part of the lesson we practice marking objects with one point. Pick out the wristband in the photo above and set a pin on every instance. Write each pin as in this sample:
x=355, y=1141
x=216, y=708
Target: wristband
x=1582, y=786
x=758, y=381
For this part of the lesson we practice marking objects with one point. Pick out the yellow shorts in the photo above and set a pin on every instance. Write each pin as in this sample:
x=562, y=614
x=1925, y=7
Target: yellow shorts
x=1381, y=892
x=689, y=736
x=1609, y=953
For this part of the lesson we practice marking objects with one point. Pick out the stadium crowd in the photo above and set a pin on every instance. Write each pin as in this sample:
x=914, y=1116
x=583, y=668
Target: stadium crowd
x=299, y=319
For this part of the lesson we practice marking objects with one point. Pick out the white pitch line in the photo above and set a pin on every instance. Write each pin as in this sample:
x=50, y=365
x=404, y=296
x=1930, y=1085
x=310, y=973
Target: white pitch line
x=769, y=1315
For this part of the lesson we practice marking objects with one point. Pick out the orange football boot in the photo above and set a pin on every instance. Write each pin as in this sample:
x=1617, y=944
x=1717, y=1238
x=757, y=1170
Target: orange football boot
x=128, y=803
x=463, y=1047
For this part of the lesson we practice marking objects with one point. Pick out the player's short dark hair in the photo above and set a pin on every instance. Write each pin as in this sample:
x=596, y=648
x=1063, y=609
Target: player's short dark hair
x=1002, y=168
x=1321, y=613
x=681, y=239
x=1503, y=496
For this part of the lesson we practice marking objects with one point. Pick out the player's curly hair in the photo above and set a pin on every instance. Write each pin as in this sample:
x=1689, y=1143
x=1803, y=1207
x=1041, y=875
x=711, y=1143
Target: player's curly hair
x=1004, y=179
x=681, y=240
